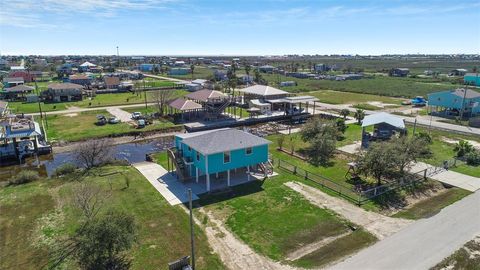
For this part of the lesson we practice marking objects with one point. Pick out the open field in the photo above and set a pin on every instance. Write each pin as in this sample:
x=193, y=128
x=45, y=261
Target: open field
x=98, y=101
x=275, y=220
x=200, y=72
x=82, y=126
x=432, y=205
x=378, y=85
x=338, y=97
x=36, y=215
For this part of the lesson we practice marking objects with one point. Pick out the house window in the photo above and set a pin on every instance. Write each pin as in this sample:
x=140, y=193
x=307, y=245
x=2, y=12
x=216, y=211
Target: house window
x=248, y=151
x=198, y=156
x=226, y=157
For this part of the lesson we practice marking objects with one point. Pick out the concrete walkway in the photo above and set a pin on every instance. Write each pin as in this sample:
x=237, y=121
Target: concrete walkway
x=379, y=225
x=171, y=189
x=120, y=114
x=424, y=243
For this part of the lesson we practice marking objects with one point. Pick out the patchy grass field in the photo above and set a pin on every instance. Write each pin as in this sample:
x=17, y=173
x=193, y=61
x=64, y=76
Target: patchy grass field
x=432, y=205
x=467, y=257
x=275, y=220
x=377, y=85
x=82, y=126
x=338, y=97
x=97, y=101
x=34, y=216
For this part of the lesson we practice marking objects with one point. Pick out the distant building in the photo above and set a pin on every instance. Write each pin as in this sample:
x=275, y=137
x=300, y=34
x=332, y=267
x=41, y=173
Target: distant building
x=17, y=68
x=288, y=83
x=321, y=68
x=11, y=82
x=472, y=79
x=80, y=79
x=17, y=93
x=111, y=82
x=178, y=71
x=458, y=72
x=87, y=66
x=266, y=69
x=27, y=76
x=219, y=75
x=344, y=77
x=61, y=92
x=192, y=87
x=399, y=72
x=452, y=102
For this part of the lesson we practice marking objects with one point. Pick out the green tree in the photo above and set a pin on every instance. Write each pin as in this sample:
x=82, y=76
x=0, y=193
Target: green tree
x=247, y=69
x=407, y=150
x=359, y=115
x=103, y=241
x=192, y=69
x=321, y=136
x=280, y=141
x=462, y=148
x=345, y=113
x=377, y=161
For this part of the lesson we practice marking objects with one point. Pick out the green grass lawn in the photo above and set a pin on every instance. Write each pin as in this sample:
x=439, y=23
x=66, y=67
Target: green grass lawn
x=338, y=97
x=432, y=205
x=152, y=82
x=82, y=126
x=467, y=257
x=378, y=85
x=37, y=215
x=275, y=220
x=238, y=111
x=97, y=101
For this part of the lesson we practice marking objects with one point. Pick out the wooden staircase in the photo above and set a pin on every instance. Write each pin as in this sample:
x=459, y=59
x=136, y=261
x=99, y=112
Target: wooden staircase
x=180, y=167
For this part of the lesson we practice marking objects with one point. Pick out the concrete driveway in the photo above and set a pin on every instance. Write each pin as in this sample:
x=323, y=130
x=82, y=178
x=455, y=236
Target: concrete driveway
x=124, y=116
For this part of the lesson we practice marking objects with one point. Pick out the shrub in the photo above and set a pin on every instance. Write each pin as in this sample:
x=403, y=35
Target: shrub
x=64, y=169
x=425, y=136
x=23, y=177
x=473, y=158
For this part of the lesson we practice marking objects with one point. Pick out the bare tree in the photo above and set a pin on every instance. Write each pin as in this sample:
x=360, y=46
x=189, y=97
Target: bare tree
x=161, y=97
x=94, y=152
x=89, y=198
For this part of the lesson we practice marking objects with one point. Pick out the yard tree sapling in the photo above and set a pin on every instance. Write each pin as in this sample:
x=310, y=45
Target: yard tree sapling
x=94, y=153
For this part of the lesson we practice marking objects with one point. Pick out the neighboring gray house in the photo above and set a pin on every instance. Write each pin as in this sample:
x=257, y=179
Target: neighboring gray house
x=60, y=92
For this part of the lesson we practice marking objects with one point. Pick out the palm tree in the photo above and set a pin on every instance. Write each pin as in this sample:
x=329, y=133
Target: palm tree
x=247, y=69
x=344, y=113
x=192, y=68
x=462, y=148
x=359, y=115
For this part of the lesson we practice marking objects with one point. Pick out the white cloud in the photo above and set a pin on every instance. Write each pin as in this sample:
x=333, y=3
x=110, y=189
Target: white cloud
x=32, y=13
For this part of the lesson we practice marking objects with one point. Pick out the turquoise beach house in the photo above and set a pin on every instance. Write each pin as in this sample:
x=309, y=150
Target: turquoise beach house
x=452, y=102
x=220, y=155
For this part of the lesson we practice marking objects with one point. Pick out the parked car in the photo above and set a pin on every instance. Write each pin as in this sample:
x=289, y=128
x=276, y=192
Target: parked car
x=136, y=115
x=101, y=120
x=141, y=123
x=113, y=120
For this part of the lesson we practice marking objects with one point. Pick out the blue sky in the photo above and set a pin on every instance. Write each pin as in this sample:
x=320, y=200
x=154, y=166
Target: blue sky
x=242, y=27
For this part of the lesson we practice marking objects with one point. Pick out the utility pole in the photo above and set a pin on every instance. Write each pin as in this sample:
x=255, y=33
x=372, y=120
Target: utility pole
x=192, y=236
x=463, y=103
x=38, y=99
x=145, y=93
x=118, y=58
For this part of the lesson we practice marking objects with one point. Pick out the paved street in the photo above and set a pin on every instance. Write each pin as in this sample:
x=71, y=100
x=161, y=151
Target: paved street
x=424, y=243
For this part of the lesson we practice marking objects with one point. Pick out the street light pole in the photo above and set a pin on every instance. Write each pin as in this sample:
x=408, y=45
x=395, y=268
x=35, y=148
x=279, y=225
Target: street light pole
x=192, y=236
x=145, y=93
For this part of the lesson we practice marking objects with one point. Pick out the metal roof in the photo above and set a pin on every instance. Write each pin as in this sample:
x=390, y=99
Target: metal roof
x=184, y=104
x=223, y=140
x=263, y=90
x=205, y=95
x=383, y=117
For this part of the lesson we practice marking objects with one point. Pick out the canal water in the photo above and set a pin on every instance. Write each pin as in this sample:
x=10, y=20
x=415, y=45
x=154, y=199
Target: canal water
x=46, y=164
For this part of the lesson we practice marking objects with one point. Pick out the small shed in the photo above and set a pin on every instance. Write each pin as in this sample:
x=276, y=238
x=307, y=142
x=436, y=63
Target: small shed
x=385, y=126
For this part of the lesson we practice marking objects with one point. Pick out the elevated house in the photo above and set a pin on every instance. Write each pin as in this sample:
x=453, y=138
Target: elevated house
x=87, y=66
x=472, y=79
x=111, y=82
x=458, y=72
x=288, y=83
x=212, y=101
x=11, y=82
x=21, y=136
x=219, y=158
x=187, y=109
x=399, y=72
x=17, y=93
x=266, y=69
x=384, y=125
x=61, y=92
x=455, y=102
x=178, y=71
x=80, y=79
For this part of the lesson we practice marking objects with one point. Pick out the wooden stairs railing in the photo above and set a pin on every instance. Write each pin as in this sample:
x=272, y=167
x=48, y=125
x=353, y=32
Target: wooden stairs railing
x=180, y=167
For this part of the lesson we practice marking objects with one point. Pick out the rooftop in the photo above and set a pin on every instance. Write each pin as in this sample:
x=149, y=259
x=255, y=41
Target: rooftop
x=205, y=95
x=263, y=90
x=467, y=93
x=184, y=104
x=383, y=117
x=13, y=79
x=19, y=88
x=58, y=86
x=88, y=64
x=219, y=141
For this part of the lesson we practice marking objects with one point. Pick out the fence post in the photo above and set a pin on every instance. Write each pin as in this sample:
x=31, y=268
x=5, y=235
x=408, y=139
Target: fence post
x=294, y=169
x=306, y=175
x=425, y=174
